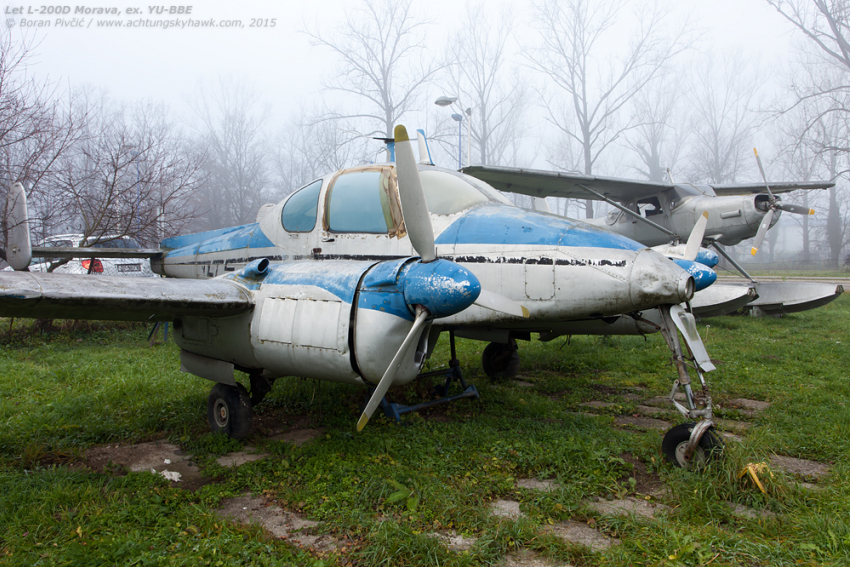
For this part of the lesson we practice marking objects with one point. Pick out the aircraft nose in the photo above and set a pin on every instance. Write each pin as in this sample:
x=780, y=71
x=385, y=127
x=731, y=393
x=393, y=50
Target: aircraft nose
x=656, y=280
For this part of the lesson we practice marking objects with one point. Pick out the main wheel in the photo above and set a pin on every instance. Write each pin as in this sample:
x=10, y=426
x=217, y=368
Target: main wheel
x=229, y=410
x=500, y=361
x=676, y=442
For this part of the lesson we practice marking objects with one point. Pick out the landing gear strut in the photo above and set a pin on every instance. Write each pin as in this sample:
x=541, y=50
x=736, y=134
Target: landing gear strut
x=501, y=360
x=690, y=444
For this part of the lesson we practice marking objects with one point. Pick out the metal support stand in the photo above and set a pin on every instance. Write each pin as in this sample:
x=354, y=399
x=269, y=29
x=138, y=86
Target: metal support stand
x=452, y=373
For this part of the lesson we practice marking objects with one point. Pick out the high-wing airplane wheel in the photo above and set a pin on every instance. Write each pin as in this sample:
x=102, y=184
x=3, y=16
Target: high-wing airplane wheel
x=676, y=442
x=229, y=410
x=500, y=361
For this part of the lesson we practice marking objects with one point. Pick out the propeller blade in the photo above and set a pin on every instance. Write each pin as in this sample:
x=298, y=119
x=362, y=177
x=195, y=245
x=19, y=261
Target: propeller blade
x=496, y=302
x=763, y=176
x=796, y=209
x=695, y=239
x=765, y=224
x=388, y=377
x=414, y=209
x=19, y=249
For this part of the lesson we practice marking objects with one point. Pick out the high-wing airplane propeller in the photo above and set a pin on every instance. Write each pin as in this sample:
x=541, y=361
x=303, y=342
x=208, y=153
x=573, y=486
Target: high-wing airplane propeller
x=773, y=205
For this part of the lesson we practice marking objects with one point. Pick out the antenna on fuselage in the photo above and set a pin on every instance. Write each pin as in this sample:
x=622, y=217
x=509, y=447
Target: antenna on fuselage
x=390, y=142
x=670, y=176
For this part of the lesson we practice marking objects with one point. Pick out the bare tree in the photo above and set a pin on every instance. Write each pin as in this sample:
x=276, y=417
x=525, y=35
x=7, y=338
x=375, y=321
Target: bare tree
x=722, y=99
x=590, y=89
x=496, y=94
x=231, y=134
x=130, y=174
x=309, y=147
x=660, y=134
x=382, y=64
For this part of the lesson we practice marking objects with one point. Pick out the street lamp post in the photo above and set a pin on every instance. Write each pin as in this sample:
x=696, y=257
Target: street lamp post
x=445, y=101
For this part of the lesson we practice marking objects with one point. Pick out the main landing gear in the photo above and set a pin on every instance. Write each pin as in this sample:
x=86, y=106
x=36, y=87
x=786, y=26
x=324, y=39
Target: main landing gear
x=501, y=360
x=230, y=408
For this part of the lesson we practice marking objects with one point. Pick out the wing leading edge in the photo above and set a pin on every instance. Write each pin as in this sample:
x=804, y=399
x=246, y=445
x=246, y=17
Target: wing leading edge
x=116, y=298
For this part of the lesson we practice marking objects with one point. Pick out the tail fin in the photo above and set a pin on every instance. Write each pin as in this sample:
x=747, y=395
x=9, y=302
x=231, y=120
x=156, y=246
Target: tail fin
x=19, y=246
x=424, y=150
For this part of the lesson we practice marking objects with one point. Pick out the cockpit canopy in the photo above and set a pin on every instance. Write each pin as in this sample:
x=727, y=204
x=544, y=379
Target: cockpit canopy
x=365, y=199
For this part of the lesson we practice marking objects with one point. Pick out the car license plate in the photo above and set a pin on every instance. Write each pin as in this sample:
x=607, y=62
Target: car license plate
x=129, y=267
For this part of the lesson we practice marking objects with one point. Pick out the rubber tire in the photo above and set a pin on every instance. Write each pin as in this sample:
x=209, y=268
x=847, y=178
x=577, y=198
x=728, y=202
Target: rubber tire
x=676, y=440
x=500, y=361
x=229, y=410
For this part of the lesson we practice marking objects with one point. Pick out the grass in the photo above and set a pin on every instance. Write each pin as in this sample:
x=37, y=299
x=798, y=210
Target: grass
x=383, y=491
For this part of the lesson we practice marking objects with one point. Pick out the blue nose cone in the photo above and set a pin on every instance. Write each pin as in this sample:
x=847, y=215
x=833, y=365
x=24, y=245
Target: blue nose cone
x=703, y=275
x=442, y=287
x=707, y=257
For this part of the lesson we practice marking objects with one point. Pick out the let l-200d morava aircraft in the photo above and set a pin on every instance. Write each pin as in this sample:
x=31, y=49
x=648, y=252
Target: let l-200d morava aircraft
x=656, y=214
x=353, y=277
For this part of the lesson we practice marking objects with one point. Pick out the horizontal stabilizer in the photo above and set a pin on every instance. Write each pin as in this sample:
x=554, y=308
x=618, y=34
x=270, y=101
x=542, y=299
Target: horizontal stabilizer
x=88, y=252
x=117, y=298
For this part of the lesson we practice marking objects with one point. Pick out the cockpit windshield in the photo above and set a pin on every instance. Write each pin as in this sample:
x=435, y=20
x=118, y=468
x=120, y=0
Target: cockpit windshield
x=447, y=193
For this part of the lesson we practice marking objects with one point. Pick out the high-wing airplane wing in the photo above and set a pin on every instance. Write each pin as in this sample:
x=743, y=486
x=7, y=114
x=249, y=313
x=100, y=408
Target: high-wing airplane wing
x=538, y=183
x=115, y=298
x=755, y=188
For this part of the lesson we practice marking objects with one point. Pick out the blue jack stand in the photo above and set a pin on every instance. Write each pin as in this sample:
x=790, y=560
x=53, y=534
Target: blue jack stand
x=452, y=373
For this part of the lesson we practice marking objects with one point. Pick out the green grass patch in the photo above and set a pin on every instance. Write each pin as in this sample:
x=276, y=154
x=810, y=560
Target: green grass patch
x=385, y=491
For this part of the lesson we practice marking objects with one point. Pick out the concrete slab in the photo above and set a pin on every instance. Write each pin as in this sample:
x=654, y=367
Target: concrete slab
x=664, y=401
x=237, y=459
x=651, y=410
x=526, y=558
x=159, y=457
x=598, y=405
x=280, y=523
x=582, y=534
x=800, y=467
x=750, y=513
x=628, y=506
x=534, y=484
x=743, y=403
x=642, y=422
x=506, y=509
x=733, y=425
x=455, y=541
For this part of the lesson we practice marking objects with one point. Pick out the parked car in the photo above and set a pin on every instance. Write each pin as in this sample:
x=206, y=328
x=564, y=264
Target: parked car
x=106, y=266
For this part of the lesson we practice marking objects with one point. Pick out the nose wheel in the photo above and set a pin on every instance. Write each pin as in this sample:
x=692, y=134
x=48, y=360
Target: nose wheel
x=675, y=447
x=229, y=409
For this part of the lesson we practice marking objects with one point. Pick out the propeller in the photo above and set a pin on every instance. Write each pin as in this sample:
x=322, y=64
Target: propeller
x=774, y=206
x=19, y=249
x=695, y=239
x=434, y=287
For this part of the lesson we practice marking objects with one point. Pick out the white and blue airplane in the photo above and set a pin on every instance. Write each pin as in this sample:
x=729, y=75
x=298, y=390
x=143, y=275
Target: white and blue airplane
x=353, y=277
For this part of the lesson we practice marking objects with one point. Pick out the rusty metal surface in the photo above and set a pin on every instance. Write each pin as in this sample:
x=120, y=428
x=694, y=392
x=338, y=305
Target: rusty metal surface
x=116, y=298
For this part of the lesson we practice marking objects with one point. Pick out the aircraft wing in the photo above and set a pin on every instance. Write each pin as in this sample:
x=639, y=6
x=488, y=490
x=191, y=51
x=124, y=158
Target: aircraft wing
x=783, y=187
x=538, y=183
x=117, y=298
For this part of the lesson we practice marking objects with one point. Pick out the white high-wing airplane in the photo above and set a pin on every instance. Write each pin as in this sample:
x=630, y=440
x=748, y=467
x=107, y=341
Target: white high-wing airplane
x=353, y=277
x=656, y=214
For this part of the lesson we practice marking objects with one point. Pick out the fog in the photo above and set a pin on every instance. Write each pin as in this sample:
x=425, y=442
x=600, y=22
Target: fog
x=298, y=94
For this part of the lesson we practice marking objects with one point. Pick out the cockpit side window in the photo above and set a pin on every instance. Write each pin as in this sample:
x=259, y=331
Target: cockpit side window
x=299, y=212
x=359, y=202
x=446, y=193
x=650, y=206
